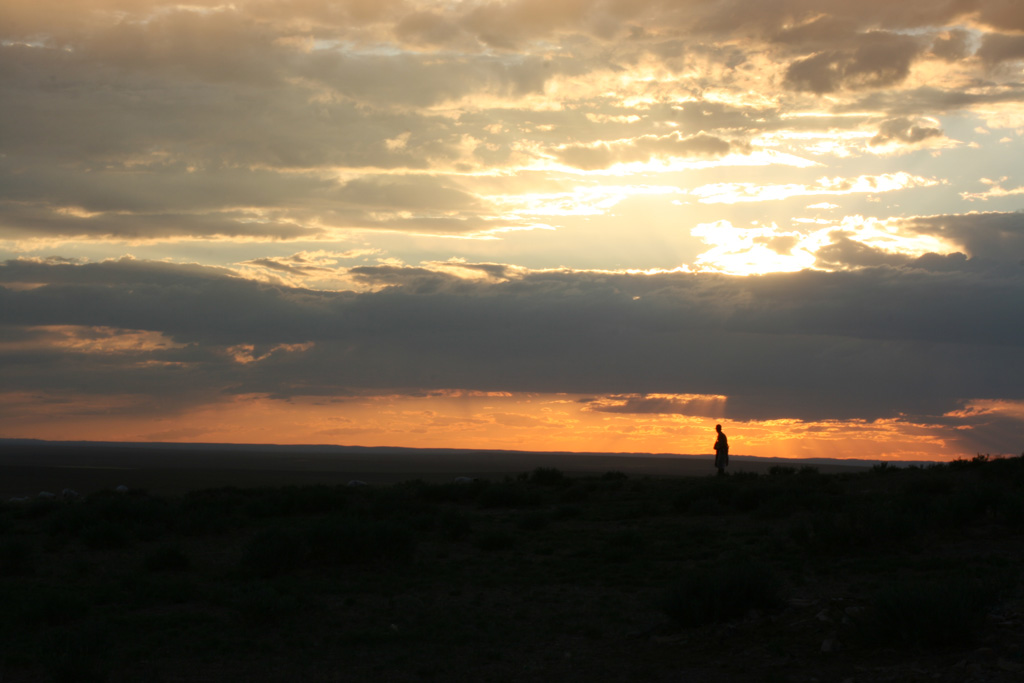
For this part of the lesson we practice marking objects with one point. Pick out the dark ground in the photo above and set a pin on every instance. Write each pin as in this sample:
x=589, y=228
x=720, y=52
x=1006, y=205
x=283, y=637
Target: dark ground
x=242, y=569
x=25, y=470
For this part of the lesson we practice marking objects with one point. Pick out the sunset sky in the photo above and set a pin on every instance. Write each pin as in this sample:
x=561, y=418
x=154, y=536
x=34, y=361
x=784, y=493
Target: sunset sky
x=534, y=224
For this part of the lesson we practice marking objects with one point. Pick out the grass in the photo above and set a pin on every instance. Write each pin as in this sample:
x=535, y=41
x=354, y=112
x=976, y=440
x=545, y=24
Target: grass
x=723, y=590
x=947, y=612
x=543, y=576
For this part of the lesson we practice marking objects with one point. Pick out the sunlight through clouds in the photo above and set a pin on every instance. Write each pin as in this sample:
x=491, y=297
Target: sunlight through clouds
x=751, y=251
x=731, y=193
x=219, y=215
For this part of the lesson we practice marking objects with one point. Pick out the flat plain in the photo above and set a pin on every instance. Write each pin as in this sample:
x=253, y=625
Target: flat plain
x=27, y=469
x=237, y=568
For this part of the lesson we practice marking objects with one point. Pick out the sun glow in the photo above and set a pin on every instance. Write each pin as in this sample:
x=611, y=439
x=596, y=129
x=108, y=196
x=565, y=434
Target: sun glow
x=732, y=193
x=210, y=208
x=652, y=423
x=751, y=251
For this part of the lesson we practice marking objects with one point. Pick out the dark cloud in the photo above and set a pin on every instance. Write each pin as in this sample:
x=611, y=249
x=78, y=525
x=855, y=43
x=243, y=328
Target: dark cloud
x=59, y=106
x=905, y=131
x=152, y=120
x=932, y=100
x=331, y=12
x=290, y=266
x=820, y=73
x=34, y=221
x=428, y=27
x=209, y=46
x=415, y=280
x=399, y=193
x=1001, y=14
x=508, y=24
x=694, y=117
x=642, y=404
x=505, y=24
x=416, y=81
x=880, y=60
x=824, y=31
x=997, y=48
x=989, y=236
x=869, y=343
x=603, y=155
x=844, y=252
x=952, y=46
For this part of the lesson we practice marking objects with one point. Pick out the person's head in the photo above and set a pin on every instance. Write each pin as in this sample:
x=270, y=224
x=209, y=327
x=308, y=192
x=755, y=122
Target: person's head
x=718, y=428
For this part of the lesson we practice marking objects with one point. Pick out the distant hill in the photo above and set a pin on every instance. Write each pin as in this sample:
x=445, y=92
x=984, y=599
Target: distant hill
x=331, y=449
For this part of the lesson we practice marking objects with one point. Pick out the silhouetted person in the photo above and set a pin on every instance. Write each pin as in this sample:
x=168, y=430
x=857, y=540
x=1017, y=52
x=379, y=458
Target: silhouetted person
x=721, y=450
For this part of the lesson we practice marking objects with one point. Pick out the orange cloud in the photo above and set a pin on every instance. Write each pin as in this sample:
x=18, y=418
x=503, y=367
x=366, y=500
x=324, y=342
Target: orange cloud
x=96, y=339
x=480, y=420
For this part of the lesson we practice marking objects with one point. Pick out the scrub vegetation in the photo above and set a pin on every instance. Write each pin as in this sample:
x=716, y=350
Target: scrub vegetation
x=793, y=575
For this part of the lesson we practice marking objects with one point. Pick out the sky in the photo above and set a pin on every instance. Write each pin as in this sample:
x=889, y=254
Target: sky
x=599, y=226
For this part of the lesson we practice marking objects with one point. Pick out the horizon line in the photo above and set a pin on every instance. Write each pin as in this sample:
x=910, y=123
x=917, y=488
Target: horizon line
x=194, y=445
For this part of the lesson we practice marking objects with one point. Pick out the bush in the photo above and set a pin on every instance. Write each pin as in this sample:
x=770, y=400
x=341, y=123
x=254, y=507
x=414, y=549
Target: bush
x=452, y=492
x=867, y=528
x=455, y=524
x=263, y=605
x=289, y=501
x=931, y=614
x=507, y=495
x=623, y=546
x=107, y=535
x=38, y=508
x=494, y=541
x=274, y=552
x=708, y=497
x=17, y=558
x=548, y=476
x=78, y=654
x=329, y=543
x=28, y=607
x=167, y=559
x=212, y=511
x=341, y=541
x=720, y=592
x=534, y=521
x=70, y=520
x=147, y=516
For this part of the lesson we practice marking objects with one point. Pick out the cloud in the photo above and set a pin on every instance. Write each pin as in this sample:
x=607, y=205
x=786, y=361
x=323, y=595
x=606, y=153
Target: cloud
x=952, y=46
x=775, y=345
x=397, y=193
x=843, y=251
x=277, y=121
x=84, y=339
x=995, y=191
x=997, y=48
x=659, y=404
x=644, y=149
x=881, y=60
x=992, y=236
x=905, y=131
x=309, y=151
x=730, y=193
x=428, y=27
x=927, y=98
